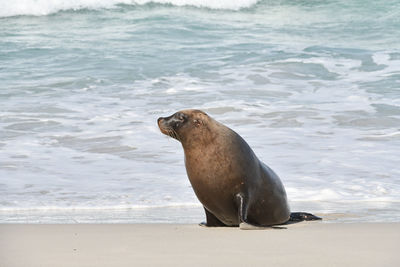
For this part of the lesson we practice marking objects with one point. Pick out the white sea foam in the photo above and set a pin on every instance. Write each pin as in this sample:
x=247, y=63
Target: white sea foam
x=45, y=7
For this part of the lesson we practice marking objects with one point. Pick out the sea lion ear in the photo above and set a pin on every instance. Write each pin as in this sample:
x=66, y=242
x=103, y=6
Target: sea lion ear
x=197, y=122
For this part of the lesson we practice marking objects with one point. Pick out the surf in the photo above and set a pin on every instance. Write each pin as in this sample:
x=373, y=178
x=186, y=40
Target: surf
x=47, y=7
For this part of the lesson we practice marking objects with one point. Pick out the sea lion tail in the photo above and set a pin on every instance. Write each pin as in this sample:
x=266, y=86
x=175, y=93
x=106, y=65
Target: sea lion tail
x=303, y=216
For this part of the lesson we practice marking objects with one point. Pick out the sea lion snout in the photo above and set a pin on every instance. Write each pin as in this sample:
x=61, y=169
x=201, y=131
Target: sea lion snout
x=170, y=125
x=163, y=125
x=160, y=121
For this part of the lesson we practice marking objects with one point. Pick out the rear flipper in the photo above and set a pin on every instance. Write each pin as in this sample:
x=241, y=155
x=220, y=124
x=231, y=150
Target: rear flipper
x=302, y=216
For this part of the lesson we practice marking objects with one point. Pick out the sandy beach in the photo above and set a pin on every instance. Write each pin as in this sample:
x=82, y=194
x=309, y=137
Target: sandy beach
x=302, y=244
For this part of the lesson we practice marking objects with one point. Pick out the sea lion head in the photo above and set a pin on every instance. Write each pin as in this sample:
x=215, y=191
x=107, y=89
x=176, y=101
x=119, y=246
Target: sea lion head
x=187, y=126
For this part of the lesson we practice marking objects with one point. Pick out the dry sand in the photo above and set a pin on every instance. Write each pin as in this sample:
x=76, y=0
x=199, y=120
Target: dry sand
x=303, y=244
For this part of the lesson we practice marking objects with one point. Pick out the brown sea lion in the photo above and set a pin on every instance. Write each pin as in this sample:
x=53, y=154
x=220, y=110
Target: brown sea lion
x=234, y=186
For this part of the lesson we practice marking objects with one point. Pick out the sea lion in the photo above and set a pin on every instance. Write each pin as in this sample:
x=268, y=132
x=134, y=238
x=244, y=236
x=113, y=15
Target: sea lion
x=234, y=186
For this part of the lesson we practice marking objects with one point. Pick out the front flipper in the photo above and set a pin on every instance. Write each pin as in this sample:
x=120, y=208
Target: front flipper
x=242, y=211
x=212, y=221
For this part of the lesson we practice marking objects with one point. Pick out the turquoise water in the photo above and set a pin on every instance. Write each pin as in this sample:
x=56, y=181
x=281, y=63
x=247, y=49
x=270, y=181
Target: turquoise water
x=313, y=86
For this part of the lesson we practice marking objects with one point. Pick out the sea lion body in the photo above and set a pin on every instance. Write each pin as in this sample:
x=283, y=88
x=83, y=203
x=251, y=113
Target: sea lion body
x=233, y=185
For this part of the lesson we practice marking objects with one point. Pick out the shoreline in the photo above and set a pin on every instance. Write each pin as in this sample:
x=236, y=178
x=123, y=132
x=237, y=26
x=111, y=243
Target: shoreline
x=169, y=215
x=301, y=244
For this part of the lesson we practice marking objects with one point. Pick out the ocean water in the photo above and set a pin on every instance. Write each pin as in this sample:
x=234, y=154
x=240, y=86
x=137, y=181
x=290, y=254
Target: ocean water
x=313, y=86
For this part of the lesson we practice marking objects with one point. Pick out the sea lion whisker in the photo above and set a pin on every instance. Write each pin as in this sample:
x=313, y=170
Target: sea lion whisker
x=176, y=134
x=171, y=132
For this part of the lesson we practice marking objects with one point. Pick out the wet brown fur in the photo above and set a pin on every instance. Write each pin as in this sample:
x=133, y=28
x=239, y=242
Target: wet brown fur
x=220, y=165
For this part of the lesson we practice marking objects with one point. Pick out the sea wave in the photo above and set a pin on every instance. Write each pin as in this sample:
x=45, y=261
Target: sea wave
x=46, y=7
